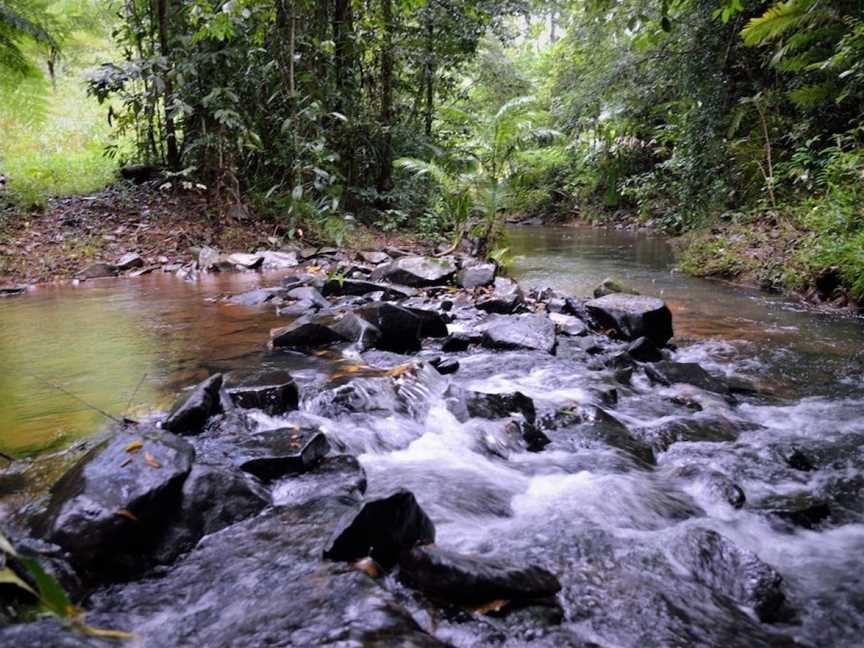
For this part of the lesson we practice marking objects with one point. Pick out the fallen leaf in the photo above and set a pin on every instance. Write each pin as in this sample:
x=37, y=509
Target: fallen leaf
x=368, y=567
x=151, y=460
x=492, y=606
x=126, y=514
x=137, y=444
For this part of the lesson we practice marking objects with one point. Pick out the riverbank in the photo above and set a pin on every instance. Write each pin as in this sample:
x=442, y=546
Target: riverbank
x=165, y=229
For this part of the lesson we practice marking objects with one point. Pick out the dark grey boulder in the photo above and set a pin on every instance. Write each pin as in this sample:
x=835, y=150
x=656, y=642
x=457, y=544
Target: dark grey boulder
x=669, y=373
x=213, y=497
x=335, y=476
x=257, y=297
x=532, y=332
x=477, y=276
x=473, y=580
x=273, y=454
x=402, y=329
x=644, y=350
x=416, y=271
x=506, y=297
x=800, y=510
x=309, y=332
x=465, y=404
x=129, y=261
x=732, y=571
x=273, y=392
x=310, y=295
x=192, y=411
x=107, y=510
x=459, y=342
x=633, y=316
x=261, y=582
x=381, y=529
x=355, y=287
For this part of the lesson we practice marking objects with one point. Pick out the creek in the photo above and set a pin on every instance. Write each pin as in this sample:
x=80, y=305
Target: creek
x=605, y=524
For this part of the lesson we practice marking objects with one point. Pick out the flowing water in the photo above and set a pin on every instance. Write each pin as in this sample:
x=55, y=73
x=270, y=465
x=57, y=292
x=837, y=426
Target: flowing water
x=607, y=524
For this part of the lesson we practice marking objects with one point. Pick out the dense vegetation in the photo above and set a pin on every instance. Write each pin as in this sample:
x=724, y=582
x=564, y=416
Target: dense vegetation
x=439, y=116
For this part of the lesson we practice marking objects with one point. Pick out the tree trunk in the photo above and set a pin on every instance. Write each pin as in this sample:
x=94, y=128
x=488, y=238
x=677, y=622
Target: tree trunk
x=429, y=74
x=170, y=131
x=385, y=172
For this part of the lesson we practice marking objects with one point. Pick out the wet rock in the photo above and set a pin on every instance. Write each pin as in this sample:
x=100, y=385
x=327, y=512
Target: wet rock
x=336, y=476
x=717, y=486
x=310, y=295
x=732, y=571
x=801, y=511
x=191, y=412
x=336, y=287
x=373, y=257
x=689, y=430
x=569, y=324
x=107, y=510
x=532, y=332
x=213, y=497
x=588, y=423
x=12, y=291
x=416, y=271
x=310, y=332
x=257, y=297
x=278, y=260
x=247, y=261
x=298, y=309
x=444, y=366
x=472, y=580
x=535, y=439
x=45, y=633
x=381, y=529
x=798, y=460
x=477, y=276
x=465, y=404
x=273, y=392
x=633, y=316
x=261, y=582
x=129, y=261
x=644, y=350
x=402, y=329
x=273, y=454
x=506, y=297
x=457, y=342
x=97, y=270
x=669, y=373
x=363, y=395
x=610, y=286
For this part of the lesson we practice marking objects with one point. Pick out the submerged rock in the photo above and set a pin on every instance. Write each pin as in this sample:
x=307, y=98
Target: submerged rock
x=191, y=412
x=610, y=286
x=381, y=529
x=732, y=571
x=417, y=271
x=633, y=316
x=110, y=507
x=532, y=332
x=336, y=476
x=668, y=372
x=473, y=580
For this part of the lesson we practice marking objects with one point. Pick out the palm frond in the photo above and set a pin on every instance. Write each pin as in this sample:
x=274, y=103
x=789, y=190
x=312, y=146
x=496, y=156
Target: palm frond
x=513, y=106
x=778, y=20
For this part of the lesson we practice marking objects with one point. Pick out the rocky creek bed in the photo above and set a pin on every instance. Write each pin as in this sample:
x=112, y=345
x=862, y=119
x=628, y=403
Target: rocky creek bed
x=488, y=466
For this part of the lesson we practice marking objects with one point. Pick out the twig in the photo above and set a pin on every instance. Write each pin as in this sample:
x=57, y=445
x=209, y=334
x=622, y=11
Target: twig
x=135, y=392
x=74, y=397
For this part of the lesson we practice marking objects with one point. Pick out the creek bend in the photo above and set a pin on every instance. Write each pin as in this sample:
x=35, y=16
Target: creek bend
x=617, y=533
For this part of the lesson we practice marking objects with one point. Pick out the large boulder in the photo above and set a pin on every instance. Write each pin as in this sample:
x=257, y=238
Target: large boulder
x=506, y=297
x=473, y=580
x=273, y=392
x=273, y=454
x=633, y=316
x=357, y=287
x=477, y=276
x=417, y=271
x=465, y=404
x=213, y=497
x=402, y=329
x=261, y=582
x=532, y=332
x=278, y=260
x=335, y=476
x=732, y=571
x=111, y=506
x=316, y=331
x=192, y=411
x=381, y=529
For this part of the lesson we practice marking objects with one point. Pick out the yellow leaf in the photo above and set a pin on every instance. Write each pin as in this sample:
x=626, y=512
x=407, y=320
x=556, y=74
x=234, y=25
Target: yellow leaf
x=137, y=444
x=126, y=514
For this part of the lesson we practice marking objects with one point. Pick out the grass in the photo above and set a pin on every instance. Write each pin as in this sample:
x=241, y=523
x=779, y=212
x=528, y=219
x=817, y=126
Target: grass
x=53, y=139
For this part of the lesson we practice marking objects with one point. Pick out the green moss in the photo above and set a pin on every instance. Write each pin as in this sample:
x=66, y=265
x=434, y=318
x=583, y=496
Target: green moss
x=709, y=255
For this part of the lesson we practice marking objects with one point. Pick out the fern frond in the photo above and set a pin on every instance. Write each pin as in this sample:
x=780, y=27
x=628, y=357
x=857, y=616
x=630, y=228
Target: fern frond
x=776, y=21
